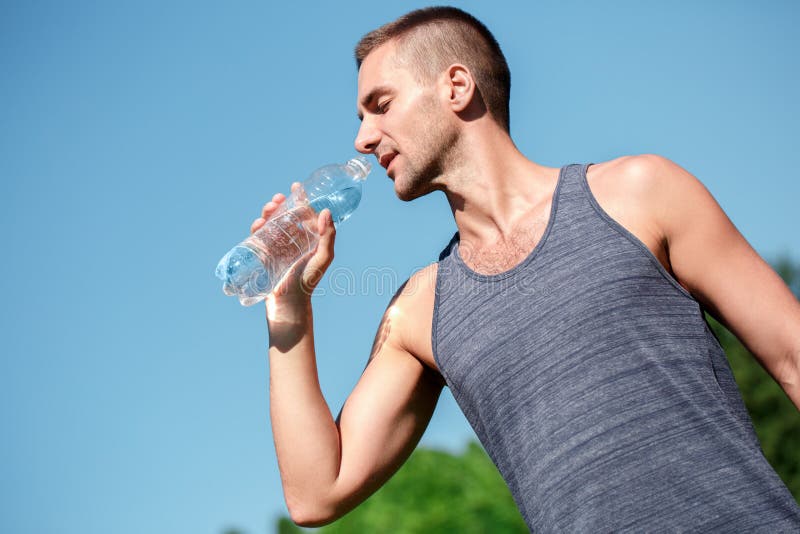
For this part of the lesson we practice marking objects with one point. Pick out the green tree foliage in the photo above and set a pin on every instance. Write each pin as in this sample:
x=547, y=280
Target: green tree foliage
x=440, y=492
x=434, y=491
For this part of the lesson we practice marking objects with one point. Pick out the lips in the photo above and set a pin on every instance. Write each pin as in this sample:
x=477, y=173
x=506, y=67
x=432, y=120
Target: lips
x=386, y=159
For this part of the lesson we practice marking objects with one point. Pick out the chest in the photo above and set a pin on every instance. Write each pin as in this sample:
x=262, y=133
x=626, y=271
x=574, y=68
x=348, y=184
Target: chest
x=499, y=253
x=502, y=253
x=538, y=327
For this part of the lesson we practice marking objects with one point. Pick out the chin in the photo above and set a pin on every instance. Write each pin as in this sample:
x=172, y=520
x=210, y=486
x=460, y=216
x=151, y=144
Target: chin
x=407, y=194
x=402, y=193
x=404, y=196
x=411, y=184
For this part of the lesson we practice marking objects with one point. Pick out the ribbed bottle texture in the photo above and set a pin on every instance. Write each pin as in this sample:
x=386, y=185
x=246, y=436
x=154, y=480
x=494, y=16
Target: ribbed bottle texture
x=254, y=267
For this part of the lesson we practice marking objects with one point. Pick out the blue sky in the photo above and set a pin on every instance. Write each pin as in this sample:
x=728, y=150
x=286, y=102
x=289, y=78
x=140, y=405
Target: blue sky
x=138, y=140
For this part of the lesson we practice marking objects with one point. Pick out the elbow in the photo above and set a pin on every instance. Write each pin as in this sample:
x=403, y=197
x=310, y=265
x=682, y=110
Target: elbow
x=317, y=506
x=308, y=514
x=309, y=519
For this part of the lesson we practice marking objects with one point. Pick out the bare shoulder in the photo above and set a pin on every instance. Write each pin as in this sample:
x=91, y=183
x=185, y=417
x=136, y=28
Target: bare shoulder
x=642, y=175
x=408, y=319
x=649, y=195
x=665, y=192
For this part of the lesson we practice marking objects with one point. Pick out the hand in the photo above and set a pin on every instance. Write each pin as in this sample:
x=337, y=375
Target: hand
x=298, y=285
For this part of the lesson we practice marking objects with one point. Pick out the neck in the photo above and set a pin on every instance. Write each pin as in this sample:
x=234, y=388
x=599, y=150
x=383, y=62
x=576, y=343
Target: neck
x=492, y=188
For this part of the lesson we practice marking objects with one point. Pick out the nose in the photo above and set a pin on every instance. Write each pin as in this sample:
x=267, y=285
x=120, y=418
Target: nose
x=367, y=138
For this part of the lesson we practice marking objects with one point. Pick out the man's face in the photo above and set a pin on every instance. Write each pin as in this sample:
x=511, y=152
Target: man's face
x=404, y=123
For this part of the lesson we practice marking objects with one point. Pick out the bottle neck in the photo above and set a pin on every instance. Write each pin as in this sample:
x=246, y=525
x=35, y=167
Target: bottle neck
x=360, y=167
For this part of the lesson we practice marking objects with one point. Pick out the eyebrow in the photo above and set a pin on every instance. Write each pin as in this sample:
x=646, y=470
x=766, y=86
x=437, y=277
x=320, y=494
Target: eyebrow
x=371, y=96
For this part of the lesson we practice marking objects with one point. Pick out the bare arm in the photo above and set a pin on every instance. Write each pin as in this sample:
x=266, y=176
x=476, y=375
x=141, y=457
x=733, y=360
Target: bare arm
x=716, y=264
x=329, y=466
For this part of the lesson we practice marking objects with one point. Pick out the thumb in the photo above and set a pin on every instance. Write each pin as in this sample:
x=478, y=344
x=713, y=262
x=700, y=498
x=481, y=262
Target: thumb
x=323, y=255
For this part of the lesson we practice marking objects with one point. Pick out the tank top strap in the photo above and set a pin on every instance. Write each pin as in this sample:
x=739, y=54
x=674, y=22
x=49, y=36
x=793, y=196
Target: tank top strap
x=569, y=196
x=449, y=248
x=571, y=200
x=571, y=188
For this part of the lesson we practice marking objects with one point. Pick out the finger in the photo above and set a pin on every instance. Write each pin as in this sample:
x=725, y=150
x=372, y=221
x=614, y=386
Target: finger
x=258, y=223
x=324, y=222
x=323, y=255
x=298, y=191
x=268, y=208
x=272, y=206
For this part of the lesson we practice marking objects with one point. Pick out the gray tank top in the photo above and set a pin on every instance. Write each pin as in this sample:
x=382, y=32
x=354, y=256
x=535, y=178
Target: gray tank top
x=596, y=386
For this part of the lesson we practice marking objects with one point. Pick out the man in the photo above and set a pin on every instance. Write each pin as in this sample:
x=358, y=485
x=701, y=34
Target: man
x=566, y=315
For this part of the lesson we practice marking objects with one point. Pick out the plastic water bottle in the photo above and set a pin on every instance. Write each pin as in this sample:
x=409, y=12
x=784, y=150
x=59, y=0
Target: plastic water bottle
x=254, y=267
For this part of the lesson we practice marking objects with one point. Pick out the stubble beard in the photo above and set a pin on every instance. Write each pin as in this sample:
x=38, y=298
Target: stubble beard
x=436, y=145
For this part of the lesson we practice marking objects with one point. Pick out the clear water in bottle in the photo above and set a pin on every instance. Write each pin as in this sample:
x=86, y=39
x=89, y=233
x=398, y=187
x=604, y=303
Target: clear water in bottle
x=252, y=269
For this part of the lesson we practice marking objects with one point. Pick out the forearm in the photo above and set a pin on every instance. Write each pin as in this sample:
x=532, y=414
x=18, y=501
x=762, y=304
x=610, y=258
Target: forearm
x=306, y=436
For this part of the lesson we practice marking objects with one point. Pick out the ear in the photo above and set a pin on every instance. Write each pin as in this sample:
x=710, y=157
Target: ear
x=461, y=87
